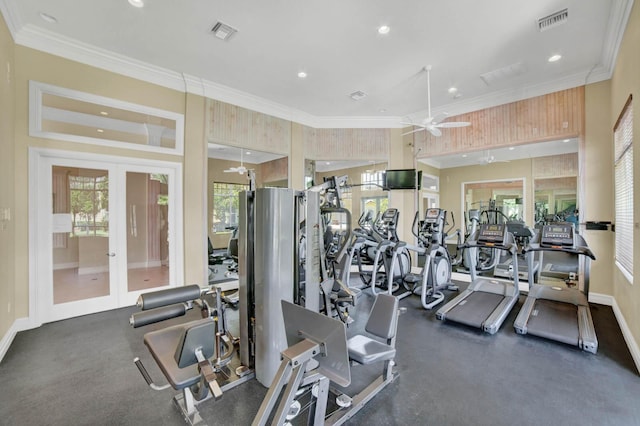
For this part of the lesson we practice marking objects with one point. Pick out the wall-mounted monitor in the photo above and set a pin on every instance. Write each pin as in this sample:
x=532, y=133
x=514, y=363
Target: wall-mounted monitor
x=402, y=179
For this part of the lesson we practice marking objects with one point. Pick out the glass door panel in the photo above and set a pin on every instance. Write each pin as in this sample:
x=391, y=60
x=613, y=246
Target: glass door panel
x=80, y=234
x=147, y=202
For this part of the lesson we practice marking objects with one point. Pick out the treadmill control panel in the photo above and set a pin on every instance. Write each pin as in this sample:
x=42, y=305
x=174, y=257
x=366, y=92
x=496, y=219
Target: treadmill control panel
x=492, y=234
x=559, y=234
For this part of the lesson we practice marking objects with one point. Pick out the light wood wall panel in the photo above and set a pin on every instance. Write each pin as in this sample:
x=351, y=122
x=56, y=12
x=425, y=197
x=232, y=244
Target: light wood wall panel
x=345, y=144
x=555, y=166
x=235, y=126
x=554, y=116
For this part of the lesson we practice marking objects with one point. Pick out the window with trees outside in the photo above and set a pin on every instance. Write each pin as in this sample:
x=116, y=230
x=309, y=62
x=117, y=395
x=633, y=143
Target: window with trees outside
x=225, y=205
x=375, y=204
x=89, y=205
x=623, y=171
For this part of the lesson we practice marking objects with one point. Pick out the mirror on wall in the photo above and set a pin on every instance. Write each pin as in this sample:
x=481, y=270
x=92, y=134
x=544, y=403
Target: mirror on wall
x=227, y=176
x=556, y=199
x=364, y=179
x=65, y=114
x=536, y=182
x=503, y=198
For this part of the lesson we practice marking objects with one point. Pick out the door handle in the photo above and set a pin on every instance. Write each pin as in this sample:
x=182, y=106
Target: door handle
x=110, y=254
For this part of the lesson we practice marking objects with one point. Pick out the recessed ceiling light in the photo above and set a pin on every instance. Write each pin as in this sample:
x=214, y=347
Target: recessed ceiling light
x=104, y=113
x=566, y=140
x=328, y=163
x=453, y=90
x=136, y=3
x=248, y=152
x=100, y=131
x=464, y=155
x=554, y=58
x=302, y=74
x=384, y=29
x=511, y=148
x=48, y=18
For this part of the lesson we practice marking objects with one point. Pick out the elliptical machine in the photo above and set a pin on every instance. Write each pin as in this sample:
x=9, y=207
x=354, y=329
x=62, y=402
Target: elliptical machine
x=436, y=273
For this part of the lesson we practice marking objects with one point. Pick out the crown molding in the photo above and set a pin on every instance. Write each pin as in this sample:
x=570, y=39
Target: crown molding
x=616, y=26
x=11, y=18
x=44, y=40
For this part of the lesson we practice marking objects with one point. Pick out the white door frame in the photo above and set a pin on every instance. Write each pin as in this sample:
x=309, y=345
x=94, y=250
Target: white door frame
x=40, y=228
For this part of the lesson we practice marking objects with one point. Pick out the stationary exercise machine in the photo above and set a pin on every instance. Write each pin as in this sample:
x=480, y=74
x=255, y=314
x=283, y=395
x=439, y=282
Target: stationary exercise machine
x=198, y=357
x=522, y=234
x=558, y=312
x=319, y=354
x=189, y=354
x=391, y=256
x=436, y=272
x=486, y=302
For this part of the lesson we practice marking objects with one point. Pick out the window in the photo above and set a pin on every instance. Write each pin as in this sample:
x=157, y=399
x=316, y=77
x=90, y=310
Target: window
x=371, y=181
x=623, y=167
x=375, y=204
x=225, y=205
x=89, y=205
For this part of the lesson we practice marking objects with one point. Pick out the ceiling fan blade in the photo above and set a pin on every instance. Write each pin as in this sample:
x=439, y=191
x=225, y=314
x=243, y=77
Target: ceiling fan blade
x=231, y=170
x=451, y=124
x=408, y=123
x=434, y=131
x=439, y=117
x=419, y=129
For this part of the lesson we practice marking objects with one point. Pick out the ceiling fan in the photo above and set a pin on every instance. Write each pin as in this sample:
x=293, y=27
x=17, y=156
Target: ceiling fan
x=490, y=159
x=431, y=123
x=241, y=169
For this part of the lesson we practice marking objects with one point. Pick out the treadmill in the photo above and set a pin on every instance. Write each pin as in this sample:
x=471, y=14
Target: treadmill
x=486, y=302
x=559, y=313
x=505, y=269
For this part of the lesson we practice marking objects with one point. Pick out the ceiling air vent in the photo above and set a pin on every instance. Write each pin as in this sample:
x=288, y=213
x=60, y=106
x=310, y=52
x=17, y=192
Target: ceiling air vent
x=356, y=96
x=553, y=20
x=504, y=73
x=223, y=31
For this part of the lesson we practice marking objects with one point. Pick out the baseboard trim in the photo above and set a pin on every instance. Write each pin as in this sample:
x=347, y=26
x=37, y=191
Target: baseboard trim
x=20, y=324
x=601, y=299
x=628, y=336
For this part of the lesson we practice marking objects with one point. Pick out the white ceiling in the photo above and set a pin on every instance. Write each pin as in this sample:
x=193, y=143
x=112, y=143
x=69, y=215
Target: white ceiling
x=337, y=44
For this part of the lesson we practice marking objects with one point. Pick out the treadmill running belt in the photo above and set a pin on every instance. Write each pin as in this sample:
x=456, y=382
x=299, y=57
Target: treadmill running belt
x=554, y=320
x=475, y=309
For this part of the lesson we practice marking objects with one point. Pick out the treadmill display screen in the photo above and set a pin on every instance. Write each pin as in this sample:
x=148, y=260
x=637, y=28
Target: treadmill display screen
x=557, y=235
x=492, y=234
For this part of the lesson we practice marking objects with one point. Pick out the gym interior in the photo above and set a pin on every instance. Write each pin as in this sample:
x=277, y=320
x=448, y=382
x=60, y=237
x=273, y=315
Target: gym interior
x=176, y=248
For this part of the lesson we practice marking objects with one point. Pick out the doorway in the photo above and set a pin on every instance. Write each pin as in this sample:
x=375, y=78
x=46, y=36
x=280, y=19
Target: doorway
x=103, y=231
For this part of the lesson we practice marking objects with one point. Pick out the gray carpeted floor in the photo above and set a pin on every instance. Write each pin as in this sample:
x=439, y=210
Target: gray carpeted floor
x=80, y=372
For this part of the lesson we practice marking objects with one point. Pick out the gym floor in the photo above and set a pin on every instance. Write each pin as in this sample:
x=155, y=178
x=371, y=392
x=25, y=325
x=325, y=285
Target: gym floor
x=80, y=372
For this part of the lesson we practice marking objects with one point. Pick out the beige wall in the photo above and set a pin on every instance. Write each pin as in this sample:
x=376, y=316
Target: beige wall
x=597, y=183
x=34, y=65
x=7, y=185
x=626, y=81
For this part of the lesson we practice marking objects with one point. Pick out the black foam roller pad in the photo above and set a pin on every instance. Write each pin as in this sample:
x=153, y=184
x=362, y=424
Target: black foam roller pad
x=168, y=297
x=140, y=319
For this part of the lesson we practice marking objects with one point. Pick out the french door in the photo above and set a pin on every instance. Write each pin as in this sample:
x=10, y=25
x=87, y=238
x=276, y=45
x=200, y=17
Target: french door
x=103, y=232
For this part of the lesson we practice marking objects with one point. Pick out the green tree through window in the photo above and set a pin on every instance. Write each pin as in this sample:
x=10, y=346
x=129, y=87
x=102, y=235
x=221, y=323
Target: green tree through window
x=225, y=205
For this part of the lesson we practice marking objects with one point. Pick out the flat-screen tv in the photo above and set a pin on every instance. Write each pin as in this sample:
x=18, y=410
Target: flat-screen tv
x=402, y=179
